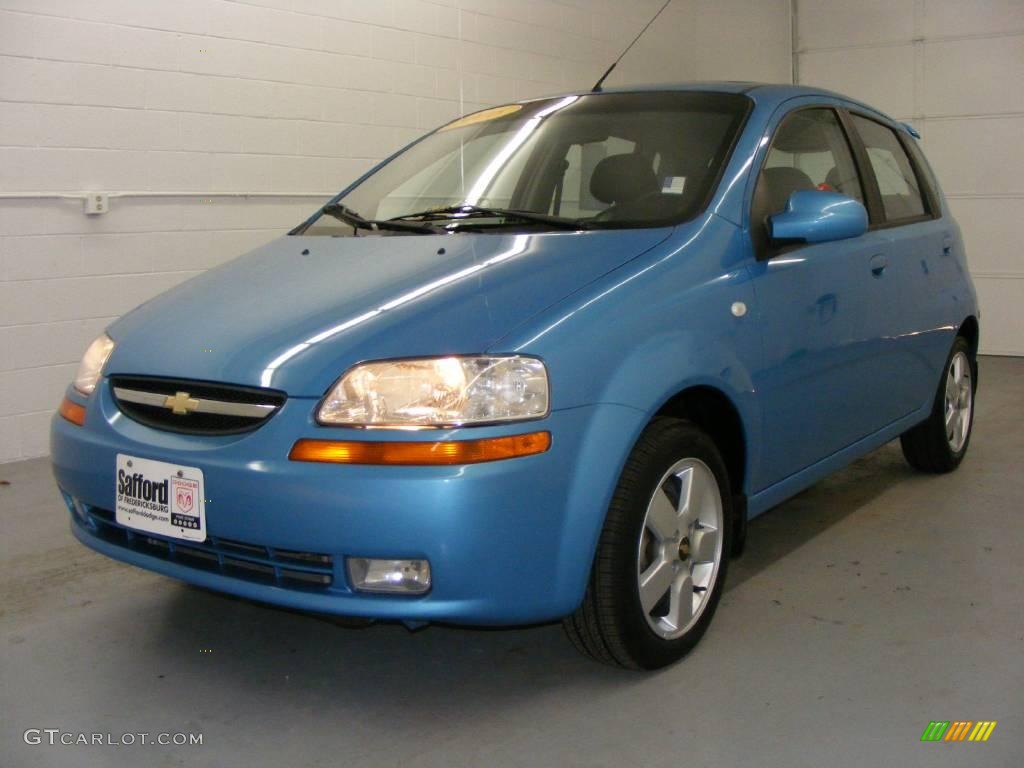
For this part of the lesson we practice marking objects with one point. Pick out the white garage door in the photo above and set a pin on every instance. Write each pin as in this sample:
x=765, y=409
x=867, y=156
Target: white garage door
x=955, y=70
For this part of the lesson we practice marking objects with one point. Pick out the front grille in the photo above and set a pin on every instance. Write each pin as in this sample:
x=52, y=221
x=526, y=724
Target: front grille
x=212, y=409
x=308, y=571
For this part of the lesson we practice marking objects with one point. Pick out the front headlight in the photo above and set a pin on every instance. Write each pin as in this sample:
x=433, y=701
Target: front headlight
x=436, y=392
x=91, y=367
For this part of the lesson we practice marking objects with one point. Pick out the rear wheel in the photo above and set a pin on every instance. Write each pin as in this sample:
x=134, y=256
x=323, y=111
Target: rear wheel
x=940, y=443
x=661, y=561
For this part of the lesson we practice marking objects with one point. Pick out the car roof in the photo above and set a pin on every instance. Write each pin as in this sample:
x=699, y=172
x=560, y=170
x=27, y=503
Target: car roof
x=769, y=94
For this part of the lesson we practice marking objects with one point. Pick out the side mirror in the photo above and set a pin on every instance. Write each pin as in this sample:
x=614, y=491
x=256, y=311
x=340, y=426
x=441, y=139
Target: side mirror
x=812, y=216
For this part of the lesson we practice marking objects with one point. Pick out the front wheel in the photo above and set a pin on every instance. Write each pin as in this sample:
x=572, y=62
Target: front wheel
x=940, y=443
x=660, y=566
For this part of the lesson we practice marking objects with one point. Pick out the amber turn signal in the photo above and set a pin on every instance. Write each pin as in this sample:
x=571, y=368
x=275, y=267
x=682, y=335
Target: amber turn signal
x=420, y=453
x=72, y=411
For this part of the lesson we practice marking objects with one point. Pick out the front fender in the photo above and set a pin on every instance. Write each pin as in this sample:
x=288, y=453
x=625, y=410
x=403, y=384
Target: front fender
x=695, y=362
x=681, y=316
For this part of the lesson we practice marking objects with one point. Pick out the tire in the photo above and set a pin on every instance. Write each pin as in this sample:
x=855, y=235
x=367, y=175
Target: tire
x=939, y=443
x=650, y=556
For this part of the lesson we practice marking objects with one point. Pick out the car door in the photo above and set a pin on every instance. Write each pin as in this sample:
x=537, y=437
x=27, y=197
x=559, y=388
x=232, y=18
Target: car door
x=920, y=265
x=823, y=384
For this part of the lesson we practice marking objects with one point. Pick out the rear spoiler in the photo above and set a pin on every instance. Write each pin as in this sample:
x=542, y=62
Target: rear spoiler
x=911, y=130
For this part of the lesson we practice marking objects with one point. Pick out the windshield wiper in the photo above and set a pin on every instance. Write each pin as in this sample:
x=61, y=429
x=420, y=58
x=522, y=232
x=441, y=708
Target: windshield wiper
x=457, y=213
x=356, y=221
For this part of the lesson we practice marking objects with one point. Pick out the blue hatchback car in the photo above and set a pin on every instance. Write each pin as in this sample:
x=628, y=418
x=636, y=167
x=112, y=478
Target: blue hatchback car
x=544, y=363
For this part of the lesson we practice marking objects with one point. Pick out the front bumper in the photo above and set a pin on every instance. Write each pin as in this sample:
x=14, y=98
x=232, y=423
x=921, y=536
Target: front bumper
x=508, y=541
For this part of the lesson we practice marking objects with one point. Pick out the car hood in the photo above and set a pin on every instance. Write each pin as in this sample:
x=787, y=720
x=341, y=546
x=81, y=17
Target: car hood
x=296, y=313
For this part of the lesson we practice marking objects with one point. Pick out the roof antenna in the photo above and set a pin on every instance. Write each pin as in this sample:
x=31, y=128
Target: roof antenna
x=597, y=85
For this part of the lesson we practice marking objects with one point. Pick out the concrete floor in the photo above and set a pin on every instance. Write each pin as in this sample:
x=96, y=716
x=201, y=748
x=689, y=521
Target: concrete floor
x=864, y=608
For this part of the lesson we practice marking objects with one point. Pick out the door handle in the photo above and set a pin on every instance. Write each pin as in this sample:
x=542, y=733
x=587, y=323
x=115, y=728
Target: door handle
x=878, y=264
x=947, y=246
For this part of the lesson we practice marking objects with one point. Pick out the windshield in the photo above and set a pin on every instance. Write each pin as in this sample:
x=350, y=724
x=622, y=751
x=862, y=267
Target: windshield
x=595, y=161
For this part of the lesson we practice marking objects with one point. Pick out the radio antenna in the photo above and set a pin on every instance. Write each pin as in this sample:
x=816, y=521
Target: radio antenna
x=597, y=85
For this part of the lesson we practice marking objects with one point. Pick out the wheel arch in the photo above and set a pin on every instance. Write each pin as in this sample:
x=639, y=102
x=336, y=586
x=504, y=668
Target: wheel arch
x=711, y=409
x=971, y=331
x=714, y=413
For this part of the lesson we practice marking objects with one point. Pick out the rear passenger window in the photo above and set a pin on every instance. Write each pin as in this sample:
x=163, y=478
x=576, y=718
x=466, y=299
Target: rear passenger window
x=897, y=182
x=925, y=174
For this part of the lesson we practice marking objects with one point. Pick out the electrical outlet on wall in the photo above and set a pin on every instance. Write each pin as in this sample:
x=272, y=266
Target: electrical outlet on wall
x=96, y=203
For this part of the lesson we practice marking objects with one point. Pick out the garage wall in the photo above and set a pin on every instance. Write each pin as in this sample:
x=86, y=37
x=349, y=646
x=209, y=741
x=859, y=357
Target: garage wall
x=955, y=70
x=707, y=40
x=289, y=99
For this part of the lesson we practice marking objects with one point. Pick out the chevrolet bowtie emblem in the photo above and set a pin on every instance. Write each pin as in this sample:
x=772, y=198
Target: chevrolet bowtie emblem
x=181, y=403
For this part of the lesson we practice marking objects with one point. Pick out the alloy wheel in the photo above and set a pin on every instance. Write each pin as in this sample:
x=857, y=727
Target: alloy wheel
x=680, y=548
x=959, y=401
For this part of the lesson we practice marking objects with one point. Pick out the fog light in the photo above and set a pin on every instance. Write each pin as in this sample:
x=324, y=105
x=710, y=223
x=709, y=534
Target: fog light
x=77, y=509
x=406, y=577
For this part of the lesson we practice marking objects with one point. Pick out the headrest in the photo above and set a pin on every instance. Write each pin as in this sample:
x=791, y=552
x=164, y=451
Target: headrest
x=623, y=178
x=834, y=180
x=783, y=181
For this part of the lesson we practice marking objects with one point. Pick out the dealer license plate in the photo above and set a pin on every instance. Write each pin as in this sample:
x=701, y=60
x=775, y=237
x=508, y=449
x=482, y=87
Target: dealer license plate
x=161, y=498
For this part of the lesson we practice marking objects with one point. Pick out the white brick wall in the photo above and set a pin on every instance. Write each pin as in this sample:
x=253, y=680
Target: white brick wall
x=270, y=96
x=953, y=69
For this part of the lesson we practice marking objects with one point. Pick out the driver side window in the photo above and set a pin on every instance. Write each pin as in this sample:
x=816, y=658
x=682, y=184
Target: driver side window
x=809, y=151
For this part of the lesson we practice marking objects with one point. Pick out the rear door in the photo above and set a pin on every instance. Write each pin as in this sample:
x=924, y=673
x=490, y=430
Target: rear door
x=921, y=268
x=826, y=377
